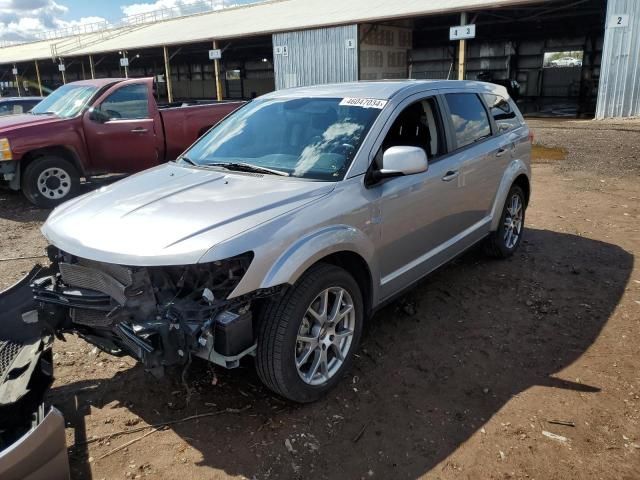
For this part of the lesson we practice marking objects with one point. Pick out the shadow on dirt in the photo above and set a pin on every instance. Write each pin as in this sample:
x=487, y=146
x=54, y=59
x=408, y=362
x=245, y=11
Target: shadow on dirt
x=432, y=369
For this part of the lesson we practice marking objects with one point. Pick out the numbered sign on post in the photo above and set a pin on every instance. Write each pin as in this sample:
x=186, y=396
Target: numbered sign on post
x=462, y=32
x=215, y=54
x=61, y=67
x=124, y=62
x=14, y=71
x=619, y=20
x=281, y=50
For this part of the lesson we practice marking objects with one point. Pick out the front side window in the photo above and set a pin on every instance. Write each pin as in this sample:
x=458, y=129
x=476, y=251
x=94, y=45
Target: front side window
x=469, y=118
x=312, y=138
x=67, y=101
x=418, y=125
x=502, y=113
x=128, y=103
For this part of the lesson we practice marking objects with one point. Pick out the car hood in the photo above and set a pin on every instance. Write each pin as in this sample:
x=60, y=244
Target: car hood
x=9, y=123
x=172, y=215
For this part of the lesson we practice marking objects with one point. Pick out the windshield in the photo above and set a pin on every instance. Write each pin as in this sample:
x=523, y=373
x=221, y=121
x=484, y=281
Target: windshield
x=312, y=138
x=67, y=101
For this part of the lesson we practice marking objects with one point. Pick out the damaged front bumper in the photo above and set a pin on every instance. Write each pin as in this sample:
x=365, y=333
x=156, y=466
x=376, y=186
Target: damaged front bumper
x=32, y=438
x=162, y=316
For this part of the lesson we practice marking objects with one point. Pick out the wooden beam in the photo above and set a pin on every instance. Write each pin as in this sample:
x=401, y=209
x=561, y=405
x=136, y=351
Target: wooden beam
x=17, y=80
x=462, y=50
x=38, y=77
x=216, y=65
x=167, y=74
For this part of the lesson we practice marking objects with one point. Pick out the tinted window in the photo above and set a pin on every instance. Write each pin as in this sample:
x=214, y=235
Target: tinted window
x=315, y=138
x=6, y=108
x=501, y=111
x=418, y=125
x=128, y=102
x=469, y=118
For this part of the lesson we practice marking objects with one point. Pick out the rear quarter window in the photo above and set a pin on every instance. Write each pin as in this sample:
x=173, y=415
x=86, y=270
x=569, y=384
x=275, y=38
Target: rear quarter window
x=502, y=113
x=468, y=117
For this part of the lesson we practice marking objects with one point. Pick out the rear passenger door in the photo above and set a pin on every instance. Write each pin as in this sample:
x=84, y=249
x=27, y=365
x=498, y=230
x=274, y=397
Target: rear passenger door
x=478, y=156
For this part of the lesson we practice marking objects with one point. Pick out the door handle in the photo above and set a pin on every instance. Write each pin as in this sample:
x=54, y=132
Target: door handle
x=501, y=151
x=450, y=175
x=139, y=130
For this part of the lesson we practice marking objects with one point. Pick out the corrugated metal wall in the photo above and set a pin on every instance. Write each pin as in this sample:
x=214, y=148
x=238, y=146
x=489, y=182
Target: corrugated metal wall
x=312, y=57
x=619, y=92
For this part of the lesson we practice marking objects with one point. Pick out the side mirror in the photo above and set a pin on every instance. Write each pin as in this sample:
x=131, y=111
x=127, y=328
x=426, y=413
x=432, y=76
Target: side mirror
x=97, y=115
x=400, y=161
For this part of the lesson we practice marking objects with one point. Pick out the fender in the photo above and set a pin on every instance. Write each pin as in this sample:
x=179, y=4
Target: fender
x=516, y=168
x=313, y=247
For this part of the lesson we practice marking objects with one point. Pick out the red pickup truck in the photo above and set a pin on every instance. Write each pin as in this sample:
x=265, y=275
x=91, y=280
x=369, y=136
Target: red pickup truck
x=95, y=127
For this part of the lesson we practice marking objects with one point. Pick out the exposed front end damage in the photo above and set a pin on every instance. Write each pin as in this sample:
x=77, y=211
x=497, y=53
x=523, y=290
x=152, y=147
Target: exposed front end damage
x=161, y=316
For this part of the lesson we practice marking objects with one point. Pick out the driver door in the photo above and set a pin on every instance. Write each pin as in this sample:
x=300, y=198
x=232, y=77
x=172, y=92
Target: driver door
x=419, y=213
x=121, y=130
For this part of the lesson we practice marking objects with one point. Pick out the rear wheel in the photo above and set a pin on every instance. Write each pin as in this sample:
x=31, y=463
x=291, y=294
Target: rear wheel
x=48, y=181
x=506, y=239
x=307, y=338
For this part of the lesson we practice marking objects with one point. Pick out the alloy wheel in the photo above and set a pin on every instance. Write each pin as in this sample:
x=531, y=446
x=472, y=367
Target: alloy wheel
x=513, y=221
x=325, y=336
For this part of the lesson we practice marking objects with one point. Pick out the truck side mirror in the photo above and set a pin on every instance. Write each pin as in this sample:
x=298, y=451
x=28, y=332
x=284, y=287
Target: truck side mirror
x=97, y=115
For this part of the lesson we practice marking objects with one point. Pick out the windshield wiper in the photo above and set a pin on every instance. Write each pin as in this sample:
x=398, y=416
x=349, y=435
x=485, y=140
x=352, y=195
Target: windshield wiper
x=188, y=160
x=246, y=167
x=43, y=113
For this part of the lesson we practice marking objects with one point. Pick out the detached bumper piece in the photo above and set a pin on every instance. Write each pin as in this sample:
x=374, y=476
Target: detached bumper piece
x=32, y=438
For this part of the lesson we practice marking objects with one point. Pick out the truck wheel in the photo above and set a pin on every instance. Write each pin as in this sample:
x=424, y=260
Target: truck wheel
x=307, y=338
x=48, y=181
x=506, y=239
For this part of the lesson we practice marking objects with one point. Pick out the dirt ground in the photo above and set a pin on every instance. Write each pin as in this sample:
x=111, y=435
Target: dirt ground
x=523, y=369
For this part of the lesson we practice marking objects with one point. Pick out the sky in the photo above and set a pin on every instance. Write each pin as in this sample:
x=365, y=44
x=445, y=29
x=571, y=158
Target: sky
x=23, y=19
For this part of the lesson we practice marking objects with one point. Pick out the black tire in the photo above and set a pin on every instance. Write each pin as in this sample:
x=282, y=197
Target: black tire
x=496, y=245
x=280, y=321
x=46, y=195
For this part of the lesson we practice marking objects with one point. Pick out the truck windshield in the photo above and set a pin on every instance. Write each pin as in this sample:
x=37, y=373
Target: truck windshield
x=312, y=138
x=67, y=101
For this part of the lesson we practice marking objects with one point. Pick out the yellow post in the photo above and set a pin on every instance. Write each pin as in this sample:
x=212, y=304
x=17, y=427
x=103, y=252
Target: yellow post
x=462, y=50
x=92, y=67
x=167, y=74
x=216, y=64
x=17, y=80
x=38, y=77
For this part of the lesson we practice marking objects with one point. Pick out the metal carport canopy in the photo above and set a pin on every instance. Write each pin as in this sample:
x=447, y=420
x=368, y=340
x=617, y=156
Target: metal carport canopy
x=258, y=19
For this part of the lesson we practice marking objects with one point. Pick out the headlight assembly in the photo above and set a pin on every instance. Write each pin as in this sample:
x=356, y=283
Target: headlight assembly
x=5, y=150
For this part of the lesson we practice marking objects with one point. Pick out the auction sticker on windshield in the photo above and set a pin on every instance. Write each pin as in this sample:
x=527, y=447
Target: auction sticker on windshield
x=363, y=102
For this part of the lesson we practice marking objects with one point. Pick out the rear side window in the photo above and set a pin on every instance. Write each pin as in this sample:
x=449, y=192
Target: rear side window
x=469, y=118
x=128, y=102
x=502, y=113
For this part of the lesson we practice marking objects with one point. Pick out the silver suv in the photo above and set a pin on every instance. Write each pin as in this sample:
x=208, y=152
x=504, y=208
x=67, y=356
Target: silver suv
x=280, y=231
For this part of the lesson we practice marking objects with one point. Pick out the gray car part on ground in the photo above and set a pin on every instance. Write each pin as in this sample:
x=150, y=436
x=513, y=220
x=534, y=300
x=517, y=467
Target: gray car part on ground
x=32, y=433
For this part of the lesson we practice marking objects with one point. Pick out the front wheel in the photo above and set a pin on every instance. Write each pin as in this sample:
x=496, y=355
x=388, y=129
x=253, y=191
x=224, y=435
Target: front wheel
x=307, y=338
x=48, y=181
x=506, y=239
